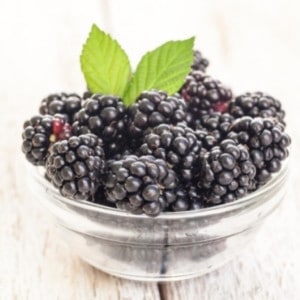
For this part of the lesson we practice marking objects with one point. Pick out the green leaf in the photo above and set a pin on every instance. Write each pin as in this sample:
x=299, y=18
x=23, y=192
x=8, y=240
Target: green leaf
x=164, y=68
x=104, y=64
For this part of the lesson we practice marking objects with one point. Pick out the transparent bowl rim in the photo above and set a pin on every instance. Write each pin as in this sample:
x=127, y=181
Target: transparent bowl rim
x=250, y=198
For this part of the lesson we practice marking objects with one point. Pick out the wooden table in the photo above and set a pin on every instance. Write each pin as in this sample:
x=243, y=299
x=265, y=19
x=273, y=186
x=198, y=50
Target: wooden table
x=252, y=45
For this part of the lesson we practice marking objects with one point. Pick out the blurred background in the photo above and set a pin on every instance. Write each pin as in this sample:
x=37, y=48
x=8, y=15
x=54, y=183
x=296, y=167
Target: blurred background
x=247, y=42
x=251, y=45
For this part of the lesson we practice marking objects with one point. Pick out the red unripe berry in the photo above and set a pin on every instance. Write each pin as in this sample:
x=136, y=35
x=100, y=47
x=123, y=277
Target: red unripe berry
x=61, y=130
x=57, y=126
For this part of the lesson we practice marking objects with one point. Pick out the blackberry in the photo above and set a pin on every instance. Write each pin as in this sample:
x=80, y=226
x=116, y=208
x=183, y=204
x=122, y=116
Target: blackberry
x=153, y=108
x=105, y=116
x=227, y=173
x=179, y=146
x=76, y=166
x=200, y=63
x=216, y=123
x=267, y=143
x=67, y=104
x=257, y=104
x=39, y=133
x=203, y=93
x=141, y=184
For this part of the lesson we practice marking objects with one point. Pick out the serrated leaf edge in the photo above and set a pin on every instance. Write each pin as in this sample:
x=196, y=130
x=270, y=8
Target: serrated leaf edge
x=129, y=98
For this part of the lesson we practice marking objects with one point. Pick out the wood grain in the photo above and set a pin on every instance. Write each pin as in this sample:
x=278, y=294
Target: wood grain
x=253, y=45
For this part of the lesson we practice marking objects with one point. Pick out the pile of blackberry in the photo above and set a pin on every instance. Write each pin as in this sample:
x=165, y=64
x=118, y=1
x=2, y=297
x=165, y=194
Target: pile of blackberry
x=200, y=147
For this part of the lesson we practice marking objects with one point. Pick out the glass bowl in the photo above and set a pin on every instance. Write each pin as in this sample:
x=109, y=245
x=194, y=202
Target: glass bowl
x=172, y=246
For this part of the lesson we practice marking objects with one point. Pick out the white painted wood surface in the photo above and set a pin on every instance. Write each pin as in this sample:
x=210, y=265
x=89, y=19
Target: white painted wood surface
x=252, y=45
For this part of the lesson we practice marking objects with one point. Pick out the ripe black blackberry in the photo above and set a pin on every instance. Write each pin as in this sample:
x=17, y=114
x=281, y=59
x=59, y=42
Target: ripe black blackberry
x=105, y=116
x=200, y=63
x=76, y=166
x=257, y=104
x=203, y=93
x=216, y=123
x=39, y=133
x=179, y=145
x=67, y=104
x=141, y=184
x=267, y=143
x=153, y=108
x=226, y=173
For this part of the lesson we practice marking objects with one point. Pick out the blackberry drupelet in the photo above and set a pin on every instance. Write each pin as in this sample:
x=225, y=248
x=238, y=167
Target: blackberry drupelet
x=200, y=63
x=76, y=166
x=188, y=197
x=179, y=145
x=40, y=132
x=203, y=93
x=257, y=104
x=141, y=184
x=128, y=150
x=216, y=123
x=153, y=108
x=87, y=94
x=105, y=116
x=267, y=143
x=100, y=198
x=227, y=173
x=67, y=104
